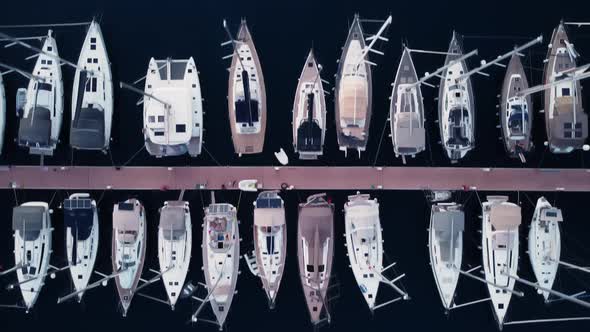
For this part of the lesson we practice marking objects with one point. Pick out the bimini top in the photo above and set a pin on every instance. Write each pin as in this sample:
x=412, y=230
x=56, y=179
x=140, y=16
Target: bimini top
x=79, y=217
x=172, y=221
x=448, y=221
x=88, y=128
x=35, y=129
x=505, y=216
x=409, y=133
x=28, y=219
x=125, y=217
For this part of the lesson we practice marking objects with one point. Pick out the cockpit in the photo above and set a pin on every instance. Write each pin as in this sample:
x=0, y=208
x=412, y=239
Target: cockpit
x=458, y=127
x=518, y=118
x=219, y=234
x=127, y=237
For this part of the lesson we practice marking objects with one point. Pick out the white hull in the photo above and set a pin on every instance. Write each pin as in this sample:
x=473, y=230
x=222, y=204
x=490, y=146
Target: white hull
x=97, y=87
x=446, y=252
x=174, y=255
x=86, y=252
x=33, y=255
x=500, y=257
x=364, y=244
x=49, y=70
x=545, y=245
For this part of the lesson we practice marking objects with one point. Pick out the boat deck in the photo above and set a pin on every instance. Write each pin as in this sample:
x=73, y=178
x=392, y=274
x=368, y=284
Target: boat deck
x=300, y=178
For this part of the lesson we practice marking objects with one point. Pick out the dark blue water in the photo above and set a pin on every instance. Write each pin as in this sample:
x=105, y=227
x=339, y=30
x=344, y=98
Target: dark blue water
x=283, y=33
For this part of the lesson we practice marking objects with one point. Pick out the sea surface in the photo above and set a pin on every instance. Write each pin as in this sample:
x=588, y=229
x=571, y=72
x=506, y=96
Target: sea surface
x=283, y=32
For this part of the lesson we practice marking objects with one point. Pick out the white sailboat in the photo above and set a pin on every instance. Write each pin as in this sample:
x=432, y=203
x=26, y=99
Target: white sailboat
x=174, y=247
x=270, y=243
x=172, y=108
x=500, y=222
x=221, y=258
x=31, y=223
x=128, y=248
x=82, y=234
x=92, y=95
x=41, y=121
x=364, y=244
x=445, y=244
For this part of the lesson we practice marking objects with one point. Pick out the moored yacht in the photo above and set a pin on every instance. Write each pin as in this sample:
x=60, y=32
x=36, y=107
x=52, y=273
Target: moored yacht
x=544, y=245
x=174, y=247
x=445, y=245
x=128, y=248
x=500, y=222
x=353, y=92
x=92, y=95
x=221, y=256
x=81, y=225
x=41, y=120
x=315, y=251
x=456, y=105
x=309, y=111
x=406, y=111
x=31, y=223
x=270, y=242
x=364, y=244
x=246, y=96
x=565, y=119
x=516, y=117
x=172, y=108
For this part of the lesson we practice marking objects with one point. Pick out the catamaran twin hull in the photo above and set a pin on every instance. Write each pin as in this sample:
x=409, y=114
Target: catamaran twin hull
x=565, y=119
x=41, y=121
x=353, y=92
x=309, y=112
x=92, y=95
x=173, y=116
x=246, y=96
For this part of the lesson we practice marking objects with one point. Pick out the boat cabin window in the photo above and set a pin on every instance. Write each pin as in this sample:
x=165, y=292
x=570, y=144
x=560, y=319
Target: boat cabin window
x=49, y=48
x=151, y=119
x=310, y=268
x=160, y=118
x=180, y=128
x=321, y=268
x=310, y=64
x=565, y=92
x=44, y=86
x=158, y=133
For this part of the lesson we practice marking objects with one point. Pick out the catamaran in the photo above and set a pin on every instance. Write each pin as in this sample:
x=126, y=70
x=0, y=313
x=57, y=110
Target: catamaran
x=565, y=119
x=545, y=244
x=309, y=111
x=500, y=222
x=41, y=120
x=406, y=111
x=2, y=113
x=246, y=96
x=315, y=251
x=81, y=225
x=456, y=106
x=364, y=244
x=128, y=248
x=445, y=244
x=174, y=247
x=221, y=258
x=516, y=117
x=31, y=223
x=270, y=243
x=172, y=108
x=354, y=88
x=92, y=95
